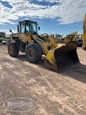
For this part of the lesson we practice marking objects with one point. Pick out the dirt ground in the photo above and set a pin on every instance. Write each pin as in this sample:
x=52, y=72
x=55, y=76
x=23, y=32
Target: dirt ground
x=55, y=93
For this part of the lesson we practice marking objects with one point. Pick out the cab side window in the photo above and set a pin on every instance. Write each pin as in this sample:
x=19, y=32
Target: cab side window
x=22, y=28
x=27, y=28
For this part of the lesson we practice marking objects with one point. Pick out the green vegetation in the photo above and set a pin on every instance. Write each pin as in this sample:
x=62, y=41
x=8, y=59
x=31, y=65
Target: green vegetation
x=1, y=39
x=5, y=39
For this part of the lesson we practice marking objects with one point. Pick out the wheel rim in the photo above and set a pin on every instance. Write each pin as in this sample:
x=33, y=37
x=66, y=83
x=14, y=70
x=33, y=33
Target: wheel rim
x=10, y=49
x=30, y=52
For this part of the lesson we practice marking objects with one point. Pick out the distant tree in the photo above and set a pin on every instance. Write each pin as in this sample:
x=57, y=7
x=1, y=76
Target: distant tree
x=58, y=36
x=2, y=34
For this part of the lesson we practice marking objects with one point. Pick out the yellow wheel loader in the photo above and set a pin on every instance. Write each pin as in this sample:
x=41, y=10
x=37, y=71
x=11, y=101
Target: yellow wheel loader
x=27, y=40
x=71, y=38
x=84, y=33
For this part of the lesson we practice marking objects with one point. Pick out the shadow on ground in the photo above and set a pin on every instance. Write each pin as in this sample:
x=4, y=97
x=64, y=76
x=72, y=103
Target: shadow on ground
x=77, y=71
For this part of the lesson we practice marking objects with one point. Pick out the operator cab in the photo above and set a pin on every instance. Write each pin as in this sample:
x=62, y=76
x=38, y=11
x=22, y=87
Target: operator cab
x=27, y=26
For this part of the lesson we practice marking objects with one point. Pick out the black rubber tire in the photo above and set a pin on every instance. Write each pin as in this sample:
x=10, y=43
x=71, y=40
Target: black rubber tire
x=84, y=48
x=15, y=49
x=80, y=45
x=37, y=52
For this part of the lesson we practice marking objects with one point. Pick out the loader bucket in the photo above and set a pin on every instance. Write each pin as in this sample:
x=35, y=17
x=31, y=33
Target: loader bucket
x=64, y=56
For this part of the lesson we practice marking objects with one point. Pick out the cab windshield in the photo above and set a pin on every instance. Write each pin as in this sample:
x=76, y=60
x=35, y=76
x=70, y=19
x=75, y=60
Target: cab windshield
x=31, y=27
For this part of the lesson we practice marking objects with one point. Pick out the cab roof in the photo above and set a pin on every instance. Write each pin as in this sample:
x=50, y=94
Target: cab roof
x=27, y=21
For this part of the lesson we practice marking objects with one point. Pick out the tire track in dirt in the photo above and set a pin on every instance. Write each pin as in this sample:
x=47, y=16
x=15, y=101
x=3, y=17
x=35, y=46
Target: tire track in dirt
x=56, y=94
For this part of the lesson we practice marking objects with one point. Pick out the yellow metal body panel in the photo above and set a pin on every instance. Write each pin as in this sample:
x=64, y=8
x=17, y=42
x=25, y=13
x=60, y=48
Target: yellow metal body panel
x=24, y=37
x=50, y=56
x=84, y=33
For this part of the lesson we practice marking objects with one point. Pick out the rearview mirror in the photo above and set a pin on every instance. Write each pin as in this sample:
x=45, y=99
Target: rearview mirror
x=10, y=30
x=38, y=27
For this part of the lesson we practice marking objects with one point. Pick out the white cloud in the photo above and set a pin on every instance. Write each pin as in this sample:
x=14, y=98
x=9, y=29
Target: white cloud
x=7, y=32
x=68, y=11
x=51, y=1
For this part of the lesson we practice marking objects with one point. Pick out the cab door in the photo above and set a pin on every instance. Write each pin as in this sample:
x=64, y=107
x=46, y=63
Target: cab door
x=22, y=33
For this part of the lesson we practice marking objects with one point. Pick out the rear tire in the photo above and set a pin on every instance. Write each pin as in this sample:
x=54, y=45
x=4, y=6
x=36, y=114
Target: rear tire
x=13, y=49
x=33, y=52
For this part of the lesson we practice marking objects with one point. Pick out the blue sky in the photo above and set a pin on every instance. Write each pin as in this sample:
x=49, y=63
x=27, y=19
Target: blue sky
x=53, y=16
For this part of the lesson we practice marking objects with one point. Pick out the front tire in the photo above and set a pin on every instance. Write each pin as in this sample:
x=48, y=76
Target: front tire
x=13, y=49
x=33, y=52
